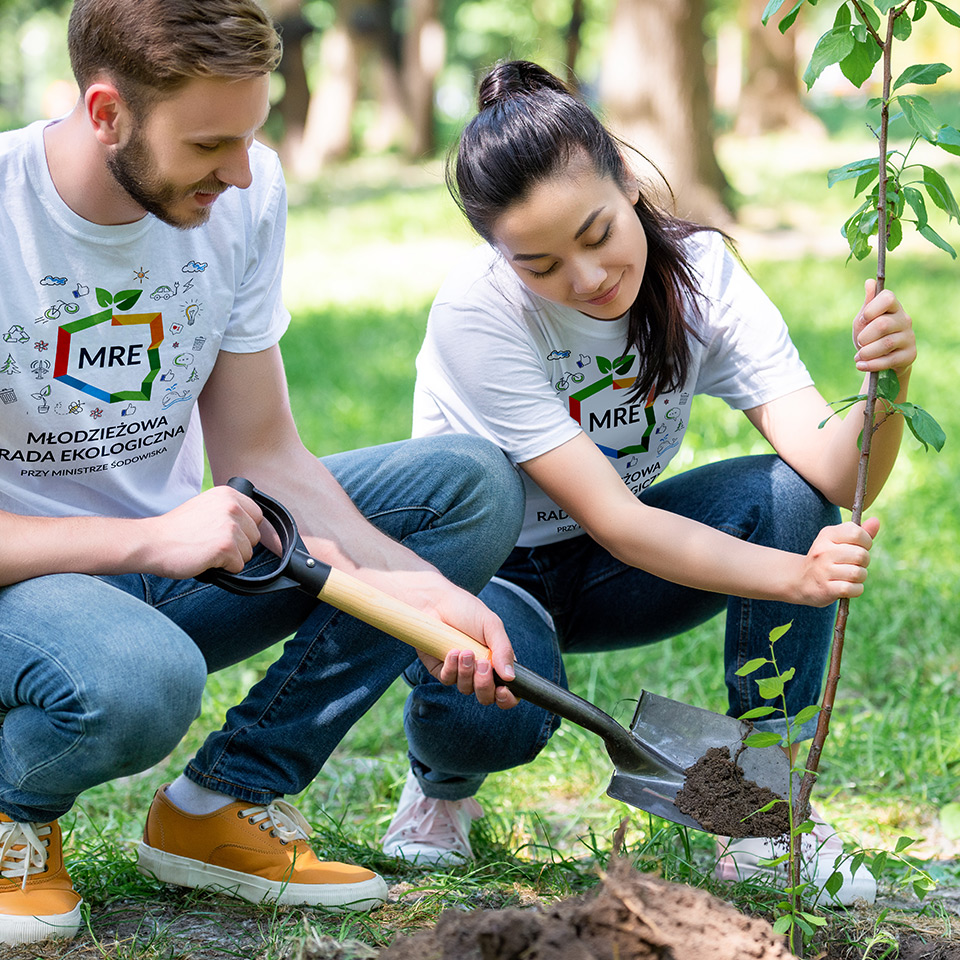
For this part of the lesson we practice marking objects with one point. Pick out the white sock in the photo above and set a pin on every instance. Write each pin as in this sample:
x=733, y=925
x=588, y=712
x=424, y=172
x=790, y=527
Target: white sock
x=190, y=797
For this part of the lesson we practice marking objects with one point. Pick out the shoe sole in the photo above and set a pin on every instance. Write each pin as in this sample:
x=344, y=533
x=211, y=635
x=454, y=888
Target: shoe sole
x=185, y=872
x=60, y=926
x=855, y=887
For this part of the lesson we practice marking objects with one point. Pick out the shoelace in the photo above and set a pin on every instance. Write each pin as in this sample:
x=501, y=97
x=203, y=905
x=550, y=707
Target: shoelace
x=442, y=823
x=22, y=852
x=286, y=821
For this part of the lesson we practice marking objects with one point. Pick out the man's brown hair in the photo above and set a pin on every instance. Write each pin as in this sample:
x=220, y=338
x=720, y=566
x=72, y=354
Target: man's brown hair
x=151, y=48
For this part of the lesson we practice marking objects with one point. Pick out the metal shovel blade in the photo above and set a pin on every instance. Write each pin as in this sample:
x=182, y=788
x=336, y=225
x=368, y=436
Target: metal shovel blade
x=678, y=735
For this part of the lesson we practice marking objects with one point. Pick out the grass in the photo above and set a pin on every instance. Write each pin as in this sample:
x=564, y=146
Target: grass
x=367, y=247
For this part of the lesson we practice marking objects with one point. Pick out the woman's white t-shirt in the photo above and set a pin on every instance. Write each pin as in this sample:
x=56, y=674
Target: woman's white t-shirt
x=500, y=362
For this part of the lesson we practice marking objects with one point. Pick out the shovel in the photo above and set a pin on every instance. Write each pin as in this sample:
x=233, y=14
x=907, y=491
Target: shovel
x=650, y=759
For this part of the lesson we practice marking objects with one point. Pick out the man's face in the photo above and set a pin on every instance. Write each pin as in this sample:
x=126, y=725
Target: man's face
x=190, y=148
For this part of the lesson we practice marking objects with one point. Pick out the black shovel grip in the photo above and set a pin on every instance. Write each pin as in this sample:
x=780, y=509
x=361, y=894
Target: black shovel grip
x=292, y=553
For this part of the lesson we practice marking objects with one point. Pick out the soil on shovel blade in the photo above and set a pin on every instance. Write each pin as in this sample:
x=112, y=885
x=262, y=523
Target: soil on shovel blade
x=632, y=916
x=721, y=799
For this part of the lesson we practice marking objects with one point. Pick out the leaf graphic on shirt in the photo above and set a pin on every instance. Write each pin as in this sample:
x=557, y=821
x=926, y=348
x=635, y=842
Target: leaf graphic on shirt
x=603, y=364
x=104, y=297
x=127, y=298
x=623, y=364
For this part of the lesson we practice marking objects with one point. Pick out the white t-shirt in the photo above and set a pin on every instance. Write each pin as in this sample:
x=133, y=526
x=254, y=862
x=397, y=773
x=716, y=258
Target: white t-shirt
x=108, y=334
x=501, y=362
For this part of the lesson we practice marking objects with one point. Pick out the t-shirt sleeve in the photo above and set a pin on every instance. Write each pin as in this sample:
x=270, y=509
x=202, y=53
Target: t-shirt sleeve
x=749, y=358
x=259, y=318
x=478, y=373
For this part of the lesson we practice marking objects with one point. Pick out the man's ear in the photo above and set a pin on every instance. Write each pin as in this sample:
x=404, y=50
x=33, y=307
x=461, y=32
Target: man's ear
x=106, y=111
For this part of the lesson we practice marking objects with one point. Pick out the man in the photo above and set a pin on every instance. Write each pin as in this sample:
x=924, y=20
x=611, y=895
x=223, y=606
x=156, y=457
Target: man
x=143, y=240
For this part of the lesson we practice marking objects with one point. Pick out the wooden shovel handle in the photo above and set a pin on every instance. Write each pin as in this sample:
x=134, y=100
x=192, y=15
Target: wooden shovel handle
x=396, y=618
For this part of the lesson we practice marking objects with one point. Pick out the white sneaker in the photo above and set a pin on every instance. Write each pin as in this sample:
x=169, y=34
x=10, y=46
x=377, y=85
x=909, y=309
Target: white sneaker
x=823, y=856
x=430, y=832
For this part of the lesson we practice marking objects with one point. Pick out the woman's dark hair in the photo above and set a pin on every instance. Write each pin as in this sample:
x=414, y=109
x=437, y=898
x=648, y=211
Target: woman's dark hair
x=529, y=127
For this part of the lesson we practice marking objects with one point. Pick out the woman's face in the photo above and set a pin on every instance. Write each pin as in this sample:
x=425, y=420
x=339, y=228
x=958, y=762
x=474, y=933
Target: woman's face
x=576, y=240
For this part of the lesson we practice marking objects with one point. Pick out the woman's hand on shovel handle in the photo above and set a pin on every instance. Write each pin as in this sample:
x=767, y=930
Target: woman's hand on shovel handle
x=471, y=672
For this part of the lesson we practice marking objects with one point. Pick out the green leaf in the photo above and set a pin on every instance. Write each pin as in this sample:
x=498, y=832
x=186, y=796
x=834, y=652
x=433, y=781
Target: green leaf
x=832, y=47
x=922, y=73
x=923, y=426
x=788, y=674
x=919, y=9
x=757, y=712
x=751, y=666
x=813, y=918
x=856, y=861
x=919, y=114
x=903, y=843
x=843, y=17
x=770, y=9
x=777, y=632
x=884, y=6
x=763, y=738
x=902, y=27
x=104, y=297
x=770, y=687
x=787, y=22
x=858, y=65
x=807, y=713
x=783, y=923
x=872, y=17
x=928, y=233
x=948, y=138
x=916, y=202
x=951, y=16
x=603, y=364
x=894, y=233
x=849, y=171
x=888, y=385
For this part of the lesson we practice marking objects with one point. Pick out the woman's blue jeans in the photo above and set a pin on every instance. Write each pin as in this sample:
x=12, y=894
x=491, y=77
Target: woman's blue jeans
x=100, y=677
x=598, y=603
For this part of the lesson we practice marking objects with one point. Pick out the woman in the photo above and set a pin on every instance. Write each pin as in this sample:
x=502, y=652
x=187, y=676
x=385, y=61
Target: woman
x=575, y=340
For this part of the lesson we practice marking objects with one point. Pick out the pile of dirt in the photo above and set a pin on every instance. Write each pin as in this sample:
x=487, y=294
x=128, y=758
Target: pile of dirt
x=632, y=916
x=720, y=798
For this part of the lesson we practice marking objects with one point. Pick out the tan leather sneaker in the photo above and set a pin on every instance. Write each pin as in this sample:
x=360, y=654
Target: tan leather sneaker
x=251, y=851
x=37, y=899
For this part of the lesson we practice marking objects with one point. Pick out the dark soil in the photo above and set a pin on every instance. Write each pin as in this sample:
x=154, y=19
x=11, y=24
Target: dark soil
x=721, y=799
x=632, y=916
x=913, y=947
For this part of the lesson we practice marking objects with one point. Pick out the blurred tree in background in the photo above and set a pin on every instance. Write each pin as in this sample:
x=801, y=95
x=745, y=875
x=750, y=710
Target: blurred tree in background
x=372, y=76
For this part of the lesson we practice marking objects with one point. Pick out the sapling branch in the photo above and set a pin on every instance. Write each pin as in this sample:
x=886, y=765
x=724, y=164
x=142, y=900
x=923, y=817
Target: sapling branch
x=843, y=609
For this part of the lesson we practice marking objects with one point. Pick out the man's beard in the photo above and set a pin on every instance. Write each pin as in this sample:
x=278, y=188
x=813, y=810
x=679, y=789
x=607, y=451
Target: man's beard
x=132, y=167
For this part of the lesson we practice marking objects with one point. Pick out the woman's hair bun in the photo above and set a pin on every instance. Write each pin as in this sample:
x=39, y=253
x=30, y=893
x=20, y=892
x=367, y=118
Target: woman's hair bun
x=513, y=78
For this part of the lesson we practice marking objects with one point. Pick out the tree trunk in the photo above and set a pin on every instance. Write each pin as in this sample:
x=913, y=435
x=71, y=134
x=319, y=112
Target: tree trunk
x=328, y=134
x=293, y=106
x=424, y=52
x=655, y=92
x=573, y=40
x=770, y=96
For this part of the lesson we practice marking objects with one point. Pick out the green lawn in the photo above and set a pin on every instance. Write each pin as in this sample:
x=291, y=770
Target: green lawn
x=366, y=250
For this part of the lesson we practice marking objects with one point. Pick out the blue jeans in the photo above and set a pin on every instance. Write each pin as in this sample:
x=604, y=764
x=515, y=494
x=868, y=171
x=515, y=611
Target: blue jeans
x=100, y=677
x=598, y=603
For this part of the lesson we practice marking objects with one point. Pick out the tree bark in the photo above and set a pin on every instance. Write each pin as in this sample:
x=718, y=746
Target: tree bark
x=770, y=97
x=654, y=89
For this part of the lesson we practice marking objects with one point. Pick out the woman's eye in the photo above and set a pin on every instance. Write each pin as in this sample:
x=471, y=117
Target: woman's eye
x=544, y=273
x=606, y=236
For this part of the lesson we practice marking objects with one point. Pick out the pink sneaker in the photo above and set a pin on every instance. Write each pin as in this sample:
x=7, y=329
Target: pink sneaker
x=430, y=832
x=822, y=857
